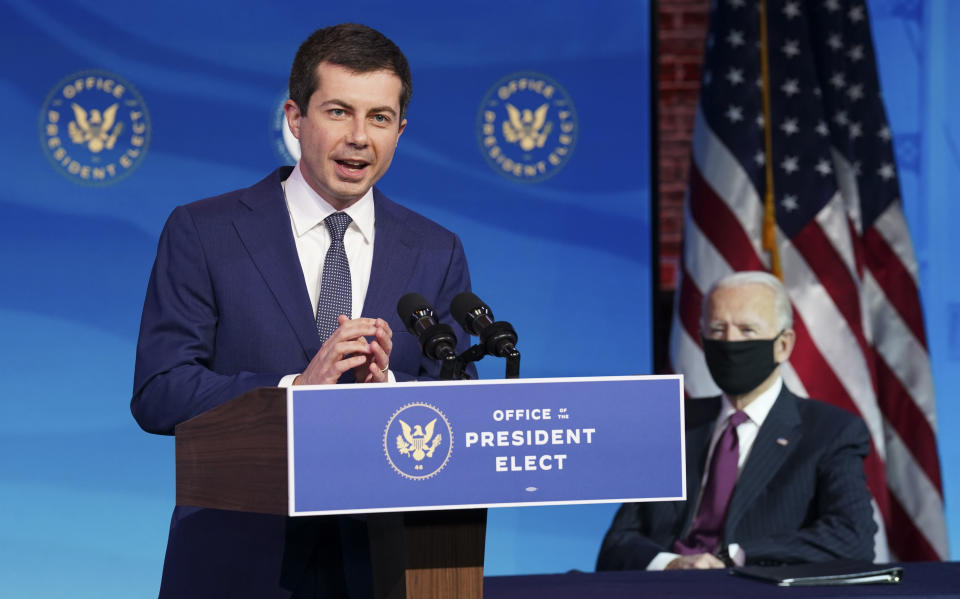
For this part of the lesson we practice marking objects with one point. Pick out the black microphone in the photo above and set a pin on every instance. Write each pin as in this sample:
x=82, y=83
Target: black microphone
x=476, y=318
x=436, y=339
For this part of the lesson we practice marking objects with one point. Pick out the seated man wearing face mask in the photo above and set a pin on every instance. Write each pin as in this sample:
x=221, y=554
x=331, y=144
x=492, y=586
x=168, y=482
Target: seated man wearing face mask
x=771, y=478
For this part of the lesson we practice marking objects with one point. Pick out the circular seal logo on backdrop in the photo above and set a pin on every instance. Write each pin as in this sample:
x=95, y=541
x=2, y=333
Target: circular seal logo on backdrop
x=94, y=127
x=285, y=144
x=527, y=127
x=418, y=441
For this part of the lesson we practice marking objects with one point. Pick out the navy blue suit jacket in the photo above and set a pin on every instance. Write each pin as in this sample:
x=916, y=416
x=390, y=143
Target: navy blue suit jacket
x=805, y=500
x=226, y=311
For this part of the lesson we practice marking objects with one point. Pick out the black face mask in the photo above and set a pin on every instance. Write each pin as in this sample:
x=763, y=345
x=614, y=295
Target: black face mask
x=738, y=367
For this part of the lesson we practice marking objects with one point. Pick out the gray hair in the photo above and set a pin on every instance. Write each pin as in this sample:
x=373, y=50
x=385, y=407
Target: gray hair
x=781, y=301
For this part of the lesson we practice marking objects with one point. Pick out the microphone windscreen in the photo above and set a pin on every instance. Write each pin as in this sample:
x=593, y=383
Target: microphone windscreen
x=410, y=303
x=463, y=304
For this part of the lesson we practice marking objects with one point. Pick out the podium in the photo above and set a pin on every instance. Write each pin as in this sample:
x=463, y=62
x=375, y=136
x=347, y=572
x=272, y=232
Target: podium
x=425, y=460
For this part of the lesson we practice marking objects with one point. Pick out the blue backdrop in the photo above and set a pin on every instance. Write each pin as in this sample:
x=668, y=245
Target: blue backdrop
x=561, y=251
x=920, y=78
x=86, y=496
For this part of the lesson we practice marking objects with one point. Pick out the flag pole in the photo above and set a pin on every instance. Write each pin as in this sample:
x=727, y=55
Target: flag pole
x=769, y=208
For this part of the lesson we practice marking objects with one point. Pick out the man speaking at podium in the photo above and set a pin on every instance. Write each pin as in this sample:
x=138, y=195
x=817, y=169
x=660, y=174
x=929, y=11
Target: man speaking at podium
x=293, y=281
x=771, y=478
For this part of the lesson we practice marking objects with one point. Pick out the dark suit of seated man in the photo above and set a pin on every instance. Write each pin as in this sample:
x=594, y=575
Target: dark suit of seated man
x=785, y=485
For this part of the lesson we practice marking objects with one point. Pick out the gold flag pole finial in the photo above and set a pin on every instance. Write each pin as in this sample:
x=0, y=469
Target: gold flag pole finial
x=769, y=208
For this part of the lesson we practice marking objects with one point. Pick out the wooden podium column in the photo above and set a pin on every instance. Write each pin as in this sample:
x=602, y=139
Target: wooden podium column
x=428, y=555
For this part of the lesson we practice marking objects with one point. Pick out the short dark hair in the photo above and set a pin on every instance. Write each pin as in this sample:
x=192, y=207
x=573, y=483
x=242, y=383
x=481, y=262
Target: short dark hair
x=356, y=47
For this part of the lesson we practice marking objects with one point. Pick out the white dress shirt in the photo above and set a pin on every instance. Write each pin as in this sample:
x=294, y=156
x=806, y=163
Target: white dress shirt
x=307, y=210
x=747, y=431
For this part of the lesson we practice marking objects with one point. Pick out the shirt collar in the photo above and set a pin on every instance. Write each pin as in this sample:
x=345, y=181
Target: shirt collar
x=308, y=209
x=757, y=409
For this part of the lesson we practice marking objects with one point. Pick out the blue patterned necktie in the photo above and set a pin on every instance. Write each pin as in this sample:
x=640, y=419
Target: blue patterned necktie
x=336, y=296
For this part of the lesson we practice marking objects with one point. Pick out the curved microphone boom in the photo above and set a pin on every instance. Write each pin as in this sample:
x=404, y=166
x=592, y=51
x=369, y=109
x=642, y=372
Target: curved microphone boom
x=498, y=338
x=437, y=340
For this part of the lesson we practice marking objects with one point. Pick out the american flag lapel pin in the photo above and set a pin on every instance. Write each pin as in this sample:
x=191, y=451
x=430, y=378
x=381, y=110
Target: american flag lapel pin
x=782, y=441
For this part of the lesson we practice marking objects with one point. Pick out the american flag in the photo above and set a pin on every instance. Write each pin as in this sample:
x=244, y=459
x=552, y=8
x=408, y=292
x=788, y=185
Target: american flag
x=839, y=240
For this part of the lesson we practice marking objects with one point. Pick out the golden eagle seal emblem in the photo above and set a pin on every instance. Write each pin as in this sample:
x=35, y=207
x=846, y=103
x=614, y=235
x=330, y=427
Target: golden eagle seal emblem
x=527, y=127
x=418, y=441
x=95, y=127
x=97, y=130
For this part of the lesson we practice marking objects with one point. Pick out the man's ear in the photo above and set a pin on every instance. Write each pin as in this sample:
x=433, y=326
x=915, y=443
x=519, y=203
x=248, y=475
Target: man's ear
x=783, y=346
x=292, y=112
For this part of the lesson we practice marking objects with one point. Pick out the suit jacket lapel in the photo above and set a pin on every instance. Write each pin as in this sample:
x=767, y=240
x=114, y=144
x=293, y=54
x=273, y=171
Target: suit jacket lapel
x=265, y=230
x=394, y=260
x=766, y=455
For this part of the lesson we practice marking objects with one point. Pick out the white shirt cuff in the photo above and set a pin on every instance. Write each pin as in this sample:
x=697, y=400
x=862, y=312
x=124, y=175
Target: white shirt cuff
x=737, y=556
x=661, y=560
x=287, y=381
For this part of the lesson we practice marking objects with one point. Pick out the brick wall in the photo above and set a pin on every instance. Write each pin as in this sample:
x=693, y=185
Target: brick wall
x=681, y=31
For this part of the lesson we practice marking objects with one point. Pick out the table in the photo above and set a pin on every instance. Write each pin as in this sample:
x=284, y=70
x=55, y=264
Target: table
x=920, y=579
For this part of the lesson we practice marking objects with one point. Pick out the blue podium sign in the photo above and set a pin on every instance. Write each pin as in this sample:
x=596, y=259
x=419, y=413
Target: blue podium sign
x=467, y=444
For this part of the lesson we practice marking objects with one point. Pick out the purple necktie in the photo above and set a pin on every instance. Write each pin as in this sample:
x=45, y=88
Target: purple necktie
x=707, y=531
